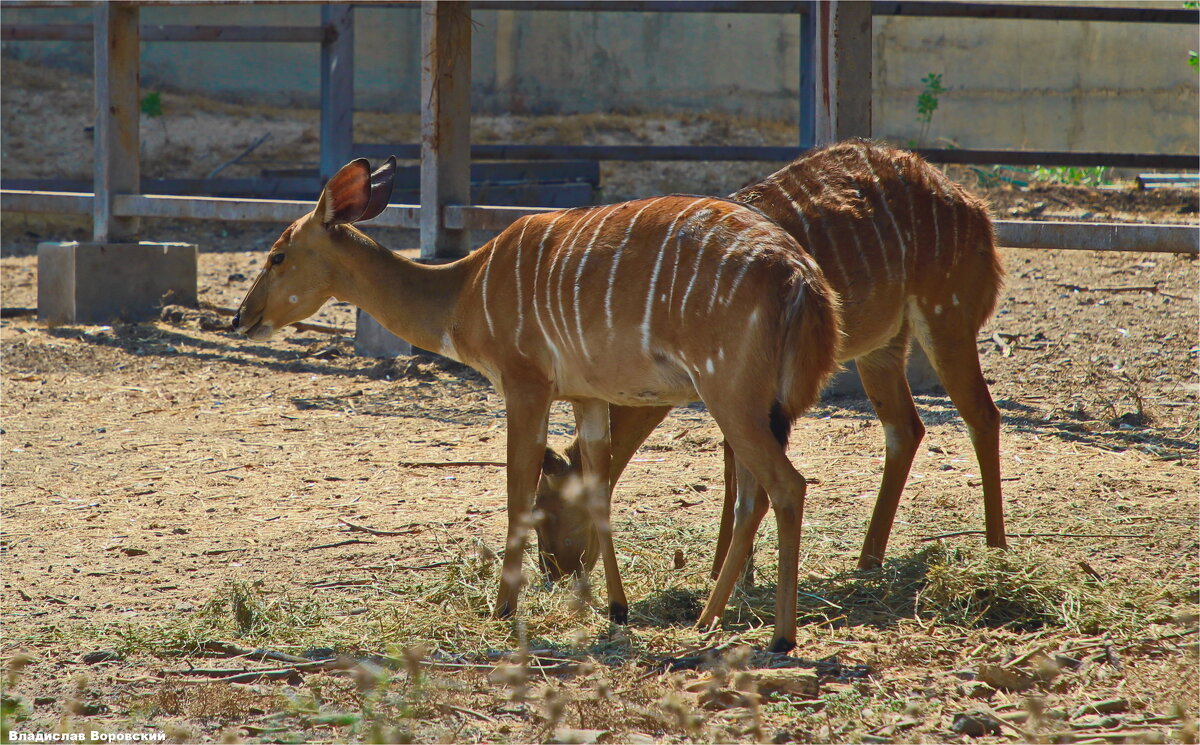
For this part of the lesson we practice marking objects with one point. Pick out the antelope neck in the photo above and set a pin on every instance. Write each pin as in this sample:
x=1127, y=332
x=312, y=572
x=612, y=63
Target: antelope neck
x=414, y=301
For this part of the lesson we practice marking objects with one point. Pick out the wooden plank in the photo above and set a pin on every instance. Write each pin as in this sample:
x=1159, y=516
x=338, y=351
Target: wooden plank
x=1094, y=236
x=1011, y=233
x=776, y=154
x=843, y=75
x=596, y=152
x=165, y=32
x=479, y=217
x=529, y=175
x=295, y=188
x=46, y=202
x=445, y=125
x=555, y=196
x=248, y=210
x=337, y=88
x=117, y=165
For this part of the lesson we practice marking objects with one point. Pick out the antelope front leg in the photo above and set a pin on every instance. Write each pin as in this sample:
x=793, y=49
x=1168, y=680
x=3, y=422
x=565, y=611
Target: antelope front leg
x=528, y=412
x=595, y=447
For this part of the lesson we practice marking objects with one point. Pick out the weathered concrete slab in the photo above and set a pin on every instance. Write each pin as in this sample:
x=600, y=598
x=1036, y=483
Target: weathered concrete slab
x=371, y=339
x=104, y=282
x=921, y=377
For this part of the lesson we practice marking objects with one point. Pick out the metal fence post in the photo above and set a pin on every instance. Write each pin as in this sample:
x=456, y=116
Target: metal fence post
x=808, y=75
x=117, y=164
x=445, y=125
x=337, y=88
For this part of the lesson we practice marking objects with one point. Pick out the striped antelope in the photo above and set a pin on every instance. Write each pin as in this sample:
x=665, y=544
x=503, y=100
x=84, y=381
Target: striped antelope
x=656, y=302
x=911, y=254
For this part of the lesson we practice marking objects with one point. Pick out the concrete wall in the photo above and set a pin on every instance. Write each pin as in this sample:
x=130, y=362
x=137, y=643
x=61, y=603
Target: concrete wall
x=1029, y=84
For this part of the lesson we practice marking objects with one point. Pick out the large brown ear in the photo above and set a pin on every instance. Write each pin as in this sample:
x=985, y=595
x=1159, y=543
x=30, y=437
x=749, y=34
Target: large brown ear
x=347, y=194
x=381, y=188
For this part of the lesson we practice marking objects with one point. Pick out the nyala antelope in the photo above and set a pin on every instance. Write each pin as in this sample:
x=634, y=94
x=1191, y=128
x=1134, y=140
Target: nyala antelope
x=911, y=254
x=652, y=303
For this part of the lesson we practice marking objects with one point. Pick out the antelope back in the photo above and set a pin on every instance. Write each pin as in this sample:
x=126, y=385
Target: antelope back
x=886, y=227
x=639, y=302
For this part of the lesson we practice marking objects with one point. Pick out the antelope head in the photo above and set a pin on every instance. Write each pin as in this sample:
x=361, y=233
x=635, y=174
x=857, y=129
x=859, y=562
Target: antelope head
x=567, y=539
x=300, y=270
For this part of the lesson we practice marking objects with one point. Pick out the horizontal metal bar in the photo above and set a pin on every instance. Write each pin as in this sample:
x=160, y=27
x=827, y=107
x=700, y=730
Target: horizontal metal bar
x=1059, y=158
x=1096, y=236
x=649, y=6
x=83, y=32
x=596, y=152
x=1066, y=12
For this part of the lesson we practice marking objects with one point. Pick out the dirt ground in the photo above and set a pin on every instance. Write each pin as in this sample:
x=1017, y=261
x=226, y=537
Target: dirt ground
x=174, y=495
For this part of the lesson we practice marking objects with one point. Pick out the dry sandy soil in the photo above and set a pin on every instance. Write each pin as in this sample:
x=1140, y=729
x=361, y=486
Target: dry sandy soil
x=170, y=488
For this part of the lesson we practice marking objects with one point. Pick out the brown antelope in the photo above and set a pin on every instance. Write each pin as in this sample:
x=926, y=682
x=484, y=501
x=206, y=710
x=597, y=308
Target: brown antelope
x=911, y=254
x=656, y=302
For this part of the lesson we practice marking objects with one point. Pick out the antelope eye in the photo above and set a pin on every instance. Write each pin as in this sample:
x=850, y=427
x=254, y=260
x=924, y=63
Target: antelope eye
x=277, y=259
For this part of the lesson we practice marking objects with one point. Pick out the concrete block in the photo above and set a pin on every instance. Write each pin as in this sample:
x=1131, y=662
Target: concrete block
x=921, y=377
x=371, y=339
x=104, y=282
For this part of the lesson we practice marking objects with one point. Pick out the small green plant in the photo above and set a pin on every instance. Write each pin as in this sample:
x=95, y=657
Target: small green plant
x=1095, y=176
x=151, y=106
x=1194, y=59
x=927, y=101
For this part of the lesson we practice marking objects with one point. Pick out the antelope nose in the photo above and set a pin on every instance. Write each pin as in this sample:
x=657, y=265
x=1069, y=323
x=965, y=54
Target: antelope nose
x=237, y=321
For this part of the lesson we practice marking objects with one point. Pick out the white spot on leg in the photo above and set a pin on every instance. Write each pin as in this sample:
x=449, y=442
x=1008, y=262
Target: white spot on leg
x=593, y=429
x=708, y=365
x=293, y=300
x=937, y=310
x=892, y=440
x=448, y=349
x=954, y=299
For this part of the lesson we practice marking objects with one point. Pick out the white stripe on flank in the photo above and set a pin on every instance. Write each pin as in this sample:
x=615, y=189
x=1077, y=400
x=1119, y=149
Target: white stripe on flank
x=831, y=246
x=912, y=222
x=687, y=293
x=697, y=219
x=657, y=267
x=951, y=197
x=729, y=253
x=852, y=226
x=616, y=262
x=747, y=262
x=537, y=314
x=895, y=226
x=579, y=289
x=560, y=296
x=520, y=300
x=935, y=204
x=487, y=312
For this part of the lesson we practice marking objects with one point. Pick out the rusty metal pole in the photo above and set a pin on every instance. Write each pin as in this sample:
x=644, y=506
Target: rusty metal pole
x=117, y=163
x=445, y=125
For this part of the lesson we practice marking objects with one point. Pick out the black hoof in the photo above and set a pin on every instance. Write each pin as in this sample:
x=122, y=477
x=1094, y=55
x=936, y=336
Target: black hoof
x=782, y=646
x=618, y=613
